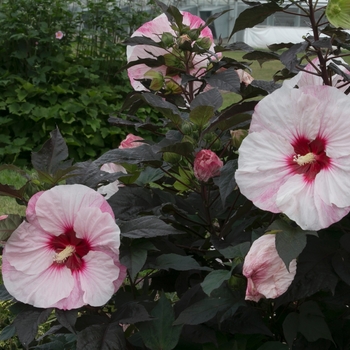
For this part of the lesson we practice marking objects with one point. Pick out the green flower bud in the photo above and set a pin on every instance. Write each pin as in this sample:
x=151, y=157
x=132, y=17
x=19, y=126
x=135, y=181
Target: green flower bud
x=184, y=42
x=172, y=158
x=187, y=128
x=157, y=79
x=172, y=88
x=193, y=34
x=338, y=13
x=167, y=39
x=204, y=43
x=238, y=136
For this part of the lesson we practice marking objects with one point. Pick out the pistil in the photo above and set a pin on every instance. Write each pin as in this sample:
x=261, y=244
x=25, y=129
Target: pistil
x=306, y=159
x=63, y=255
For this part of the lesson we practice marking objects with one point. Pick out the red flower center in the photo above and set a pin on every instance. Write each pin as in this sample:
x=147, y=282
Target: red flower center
x=309, y=158
x=69, y=250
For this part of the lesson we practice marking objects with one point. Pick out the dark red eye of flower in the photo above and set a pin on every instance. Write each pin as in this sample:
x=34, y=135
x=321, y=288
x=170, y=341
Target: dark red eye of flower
x=309, y=158
x=69, y=249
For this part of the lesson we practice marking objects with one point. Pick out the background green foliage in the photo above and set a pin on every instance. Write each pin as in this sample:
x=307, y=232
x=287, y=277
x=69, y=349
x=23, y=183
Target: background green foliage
x=73, y=83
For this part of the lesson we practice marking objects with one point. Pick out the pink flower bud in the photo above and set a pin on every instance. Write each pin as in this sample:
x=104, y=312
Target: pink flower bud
x=206, y=165
x=3, y=217
x=130, y=142
x=266, y=272
x=59, y=35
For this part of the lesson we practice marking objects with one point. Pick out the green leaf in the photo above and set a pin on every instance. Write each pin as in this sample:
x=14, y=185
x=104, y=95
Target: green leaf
x=178, y=263
x=290, y=241
x=169, y=110
x=201, y=115
x=7, y=332
x=8, y=225
x=237, y=251
x=214, y=280
x=203, y=311
x=160, y=333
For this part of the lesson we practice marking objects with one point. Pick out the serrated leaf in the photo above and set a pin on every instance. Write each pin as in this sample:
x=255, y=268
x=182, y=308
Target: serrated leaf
x=201, y=115
x=254, y=15
x=50, y=157
x=261, y=56
x=27, y=323
x=211, y=98
x=146, y=226
x=160, y=333
x=8, y=225
x=169, y=110
x=141, y=154
x=131, y=313
x=237, y=113
x=101, y=336
x=226, y=80
x=178, y=263
x=67, y=318
x=214, y=280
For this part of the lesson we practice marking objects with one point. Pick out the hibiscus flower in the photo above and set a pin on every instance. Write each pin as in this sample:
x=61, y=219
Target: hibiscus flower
x=266, y=273
x=66, y=254
x=109, y=190
x=296, y=158
x=154, y=30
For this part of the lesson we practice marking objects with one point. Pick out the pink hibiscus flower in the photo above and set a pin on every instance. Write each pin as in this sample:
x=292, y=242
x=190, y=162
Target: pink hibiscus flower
x=265, y=271
x=206, y=165
x=154, y=30
x=59, y=35
x=66, y=254
x=296, y=158
x=304, y=78
x=131, y=141
x=109, y=190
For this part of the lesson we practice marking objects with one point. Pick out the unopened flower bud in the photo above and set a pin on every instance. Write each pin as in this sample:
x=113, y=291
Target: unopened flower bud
x=157, y=79
x=338, y=13
x=167, y=39
x=172, y=158
x=237, y=136
x=206, y=165
x=172, y=88
x=187, y=128
x=204, y=43
x=193, y=34
x=184, y=42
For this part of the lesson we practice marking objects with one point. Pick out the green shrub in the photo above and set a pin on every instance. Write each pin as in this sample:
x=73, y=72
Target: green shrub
x=73, y=83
